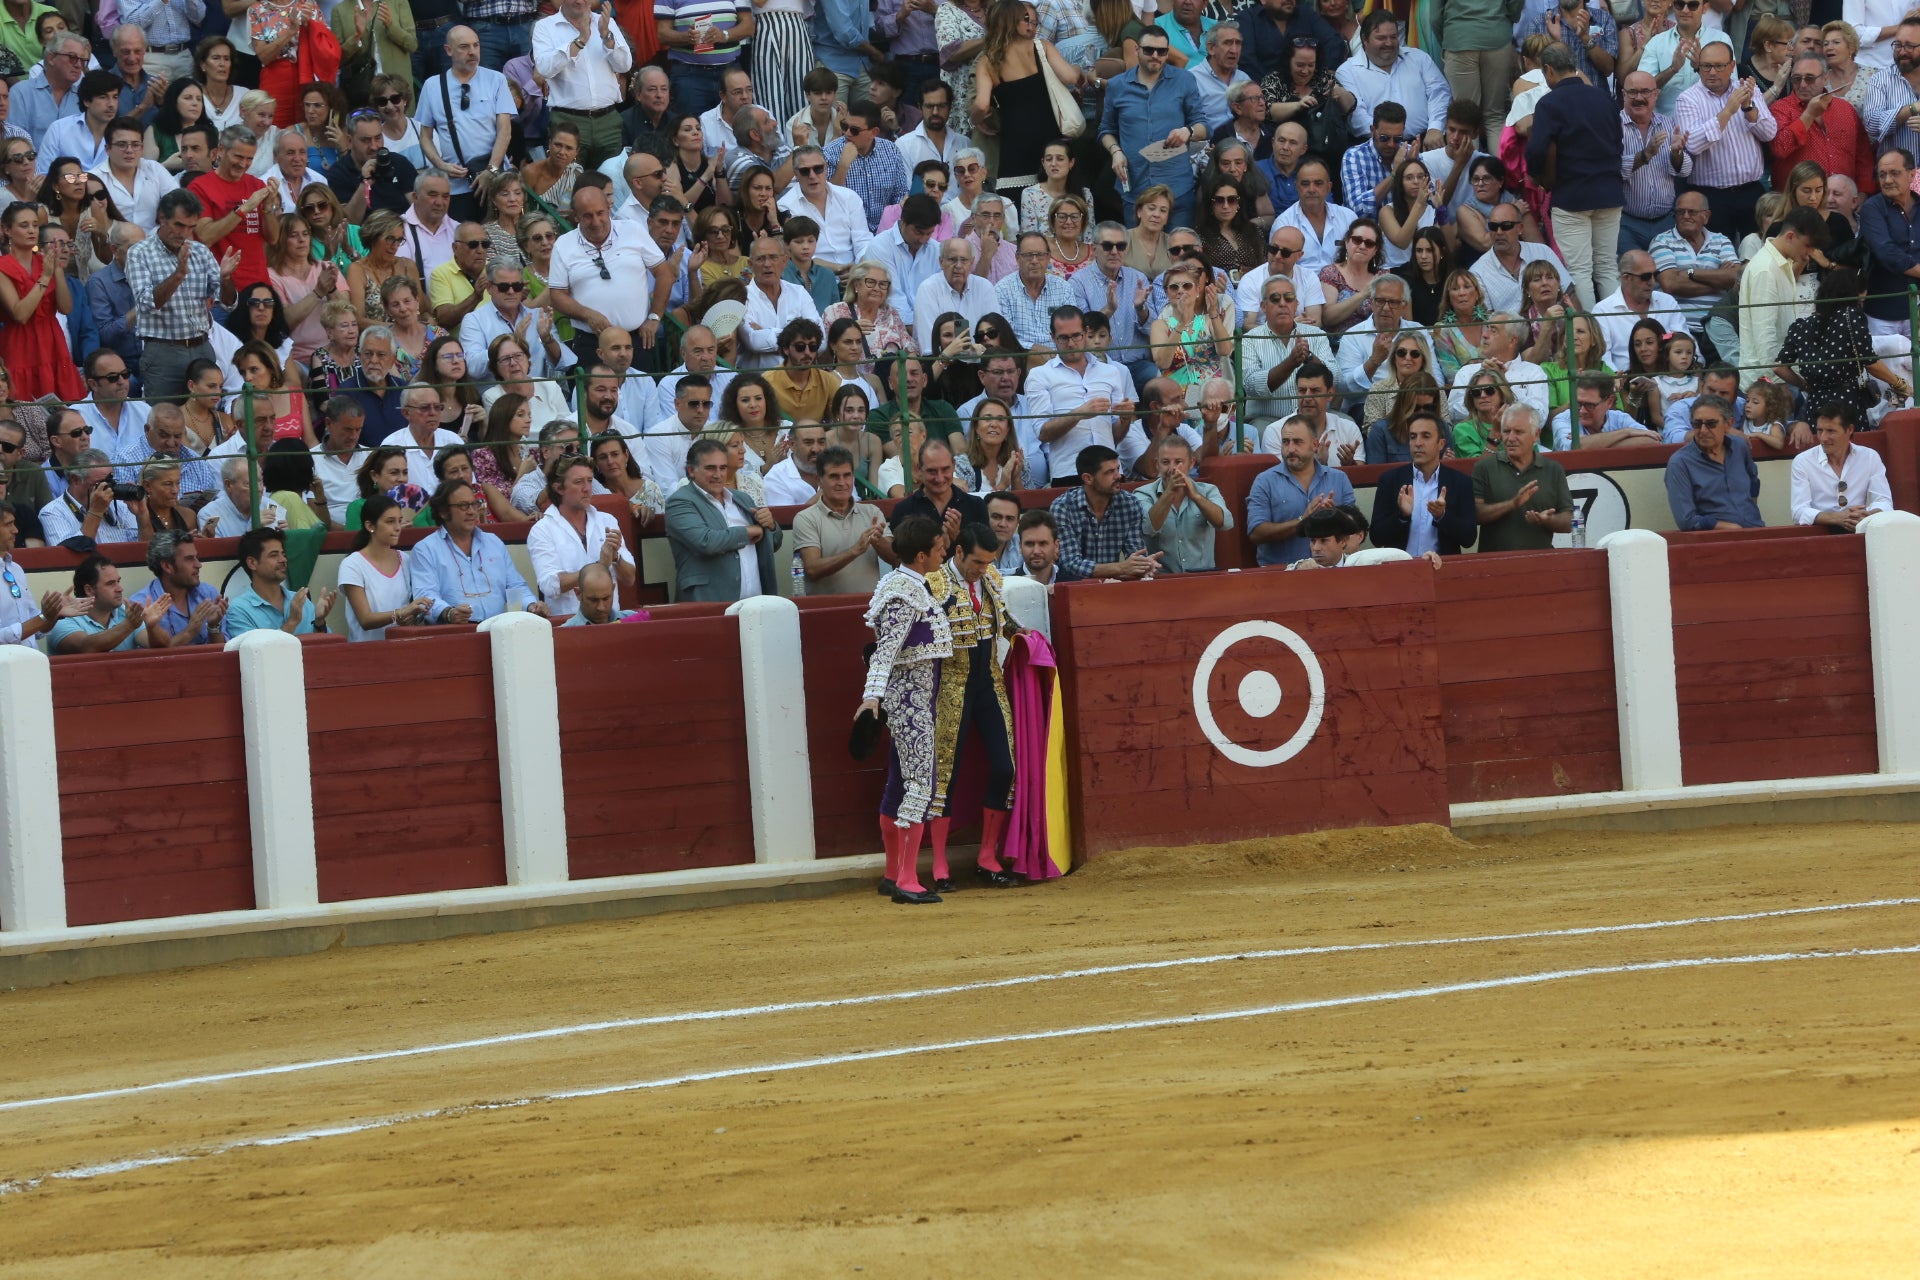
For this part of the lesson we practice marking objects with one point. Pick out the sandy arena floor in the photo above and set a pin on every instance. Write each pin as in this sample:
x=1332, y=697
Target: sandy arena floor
x=1752, y=1119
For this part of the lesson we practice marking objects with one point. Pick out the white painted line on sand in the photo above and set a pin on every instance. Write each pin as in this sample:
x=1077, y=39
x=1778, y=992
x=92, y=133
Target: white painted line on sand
x=925, y=993
x=82, y=1173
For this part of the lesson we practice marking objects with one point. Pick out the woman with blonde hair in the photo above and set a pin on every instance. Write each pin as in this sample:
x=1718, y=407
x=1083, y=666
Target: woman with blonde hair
x=1846, y=78
x=1488, y=396
x=383, y=233
x=1147, y=238
x=334, y=239
x=741, y=475
x=1463, y=318
x=259, y=112
x=1769, y=55
x=402, y=298
x=1589, y=356
x=304, y=284
x=1192, y=340
x=1010, y=94
x=503, y=203
x=1406, y=359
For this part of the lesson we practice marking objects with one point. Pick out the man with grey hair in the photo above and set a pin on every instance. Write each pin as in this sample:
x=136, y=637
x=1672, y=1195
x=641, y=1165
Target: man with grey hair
x=1120, y=293
x=1576, y=142
x=169, y=29
x=1274, y=350
x=38, y=101
x=840, y=213
x=453, y=288
x=1500, y=353
x=1219, y=73
x=175, y=281
x=228, y=515
x=1367, y=346
x=375, y=386
x=140, y=89
x=989, y=230
x=88, y=509
x=1520, y=497
x=423, y=436
x=954, y=287
x=165, y=436
x=367, y=176
x=430, y=232
x=1843, y=198
x=759, y=145
x=232, y=217
x=501, y=309
x=194, y=609
x=1637, y=299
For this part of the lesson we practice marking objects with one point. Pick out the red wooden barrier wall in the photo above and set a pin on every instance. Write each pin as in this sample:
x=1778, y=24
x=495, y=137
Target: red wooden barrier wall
x=1774, y=669
x=653, y=743
x=153, y=789
x=1526, y=675
x=406, y=774
x=1144, y=771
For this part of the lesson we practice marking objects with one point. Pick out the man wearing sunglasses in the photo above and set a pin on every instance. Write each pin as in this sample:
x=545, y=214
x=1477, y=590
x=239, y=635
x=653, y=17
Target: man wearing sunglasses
x=40, y=101
x=839, y=213
x=1121, y=293
x=118, y=422
x=1153, y=104
x=503, y=309
x=1498, y=269
x=466, y=120
x=1672, y=57
x=454, y=287
x=1712, y=482
x=25, y=482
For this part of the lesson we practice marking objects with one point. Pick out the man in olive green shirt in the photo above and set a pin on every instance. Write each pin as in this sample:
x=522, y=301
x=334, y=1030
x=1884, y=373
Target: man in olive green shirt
x=1519, y=497
x=1183, y=513
x=1478, y=59
x=841, y=543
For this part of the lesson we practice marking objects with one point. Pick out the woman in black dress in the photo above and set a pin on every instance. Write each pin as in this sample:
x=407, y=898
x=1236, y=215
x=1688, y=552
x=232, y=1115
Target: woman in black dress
x=1010, y=93
x=1825, y=353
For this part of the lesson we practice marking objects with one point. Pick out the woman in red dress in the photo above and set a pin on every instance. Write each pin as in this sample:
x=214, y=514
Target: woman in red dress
x=33, y=289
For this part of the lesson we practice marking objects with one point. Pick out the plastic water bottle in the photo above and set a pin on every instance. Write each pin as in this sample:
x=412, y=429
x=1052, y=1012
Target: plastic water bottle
x=799, y=576
x=1579, y=527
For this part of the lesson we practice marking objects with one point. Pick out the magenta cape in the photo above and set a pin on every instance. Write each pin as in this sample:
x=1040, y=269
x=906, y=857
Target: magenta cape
x=1030, y=679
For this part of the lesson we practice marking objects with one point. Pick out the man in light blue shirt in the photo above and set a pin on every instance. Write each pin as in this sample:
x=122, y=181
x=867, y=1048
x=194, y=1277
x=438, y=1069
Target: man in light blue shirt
x=1386, y=72
x=1282, y=495
x=1601, y=425
x=470, y=141
x=38, y=101
x=1183, y=514
x=109, y=625
x=597, y=608
x=1153, y=104
x=464, y=570
x=263, y=603
x=84, y=135
x=1120, y=293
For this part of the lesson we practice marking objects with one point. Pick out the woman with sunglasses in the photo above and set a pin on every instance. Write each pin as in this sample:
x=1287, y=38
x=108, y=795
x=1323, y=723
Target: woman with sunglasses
x=444, y=368
x=35, y=297
x=713, y=231
x=510, y=367
x=392, y=96
x=185, y=104
x=1233, y=161
x=304, y=285
x=1348, y=279
x=383, y=233
x=207, y=423
x=31, y=417
x=1192, y=340
x=333, y=238
x=20, y=182
x=402, y=298
x=257, y=317
x=1488, y=396
x=65, y=192
x=501, y=455
x=213, y=65
x=1406, y=359
x=552, y=178
x=1387, y=436
x=323, y=123
x=869, y=285
x=274, y=28
x=1228, y=239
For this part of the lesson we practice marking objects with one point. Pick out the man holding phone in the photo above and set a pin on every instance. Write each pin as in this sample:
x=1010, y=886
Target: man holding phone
x=583, y=54
x=1818, y=125
x=1367, y=173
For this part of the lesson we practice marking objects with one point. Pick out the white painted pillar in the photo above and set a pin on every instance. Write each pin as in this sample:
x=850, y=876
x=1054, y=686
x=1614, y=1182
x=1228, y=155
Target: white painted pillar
x=526, y=717
x=1029, y=604
x=273, y=714
x=33, y=883
x=779, y=769
x=1893, y=619
x=1644, y=682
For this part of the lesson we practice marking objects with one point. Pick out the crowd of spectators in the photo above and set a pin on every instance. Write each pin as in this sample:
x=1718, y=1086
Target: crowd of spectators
x=277, y=268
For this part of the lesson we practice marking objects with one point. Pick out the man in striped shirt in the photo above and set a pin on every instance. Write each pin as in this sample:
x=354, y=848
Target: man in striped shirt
x=702, y=39
x=1727, y=130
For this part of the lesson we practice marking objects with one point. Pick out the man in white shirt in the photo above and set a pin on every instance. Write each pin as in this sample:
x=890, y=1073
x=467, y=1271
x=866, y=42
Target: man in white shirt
x=639, y=401
x=909, y=252
x=844, y=234
x=289, y=162
x=1312, y=182
x=1082, y=402
x=1385, y=72
x=1367, y=347
x=1840, y=483
x=1500, y=353
x=931, y=139
x=666, y=442
x=1337, y=438
x=1276, y=349
x=423, y=436
x=1499, y=269
x=337, y=463
x=716, y=123
x=227, y=515
x=1000, y=379
x=429, y=231
x=1635, y=300
x=115, y=419
x=1284, y=252
x=795, y=479
x=771, y=305
x=954, y=287
x=136, y=184
x=699, y=353
x=583, y=60
x=465, y=116
x=88, y=509
x=599, y=272
x=572, y=535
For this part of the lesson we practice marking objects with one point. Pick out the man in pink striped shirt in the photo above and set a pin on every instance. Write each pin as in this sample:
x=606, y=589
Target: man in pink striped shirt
x=1727, y=128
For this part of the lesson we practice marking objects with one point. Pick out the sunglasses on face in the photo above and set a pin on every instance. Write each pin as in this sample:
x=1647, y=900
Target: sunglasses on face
x=987, y=335
x=394, y=99
x=1484, y=391
x=1637, y=275
x=117, y=375
x=814, y=169
x=804, y=348
x=1365, y=242
x=1502, y=226
x=10, y=448
x=318, y=206
x=1114, y=246
x=700, y=404
x=1184, y=250
x=259, y=302
x=78, y=433
x=510, y=286
x=1155, y=51
x=1226, y=199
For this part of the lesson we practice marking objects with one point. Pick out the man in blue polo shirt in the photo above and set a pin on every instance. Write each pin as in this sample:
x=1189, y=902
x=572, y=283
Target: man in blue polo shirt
x=195, y=611
x=1282, y=495
x=265, y=602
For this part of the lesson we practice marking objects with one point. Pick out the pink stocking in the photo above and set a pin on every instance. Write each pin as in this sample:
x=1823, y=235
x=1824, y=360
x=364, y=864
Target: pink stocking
x=940, y=826
x=993, y=825
x=890, y=841
x=907, y=874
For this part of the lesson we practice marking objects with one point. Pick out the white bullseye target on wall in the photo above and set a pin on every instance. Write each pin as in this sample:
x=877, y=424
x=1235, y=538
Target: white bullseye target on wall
x=1261, y=693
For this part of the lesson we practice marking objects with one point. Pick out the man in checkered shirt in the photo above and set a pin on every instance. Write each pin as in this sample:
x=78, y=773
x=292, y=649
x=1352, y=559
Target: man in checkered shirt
x=1103, y=532
x=175, y=281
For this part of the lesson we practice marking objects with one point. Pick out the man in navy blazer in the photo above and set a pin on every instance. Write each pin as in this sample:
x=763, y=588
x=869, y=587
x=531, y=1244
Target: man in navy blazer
x=723, y=545
x=1422, y=506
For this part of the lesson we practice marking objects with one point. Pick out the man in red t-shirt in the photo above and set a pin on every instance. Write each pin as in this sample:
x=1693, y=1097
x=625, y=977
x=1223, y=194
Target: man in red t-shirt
x=232, y=200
